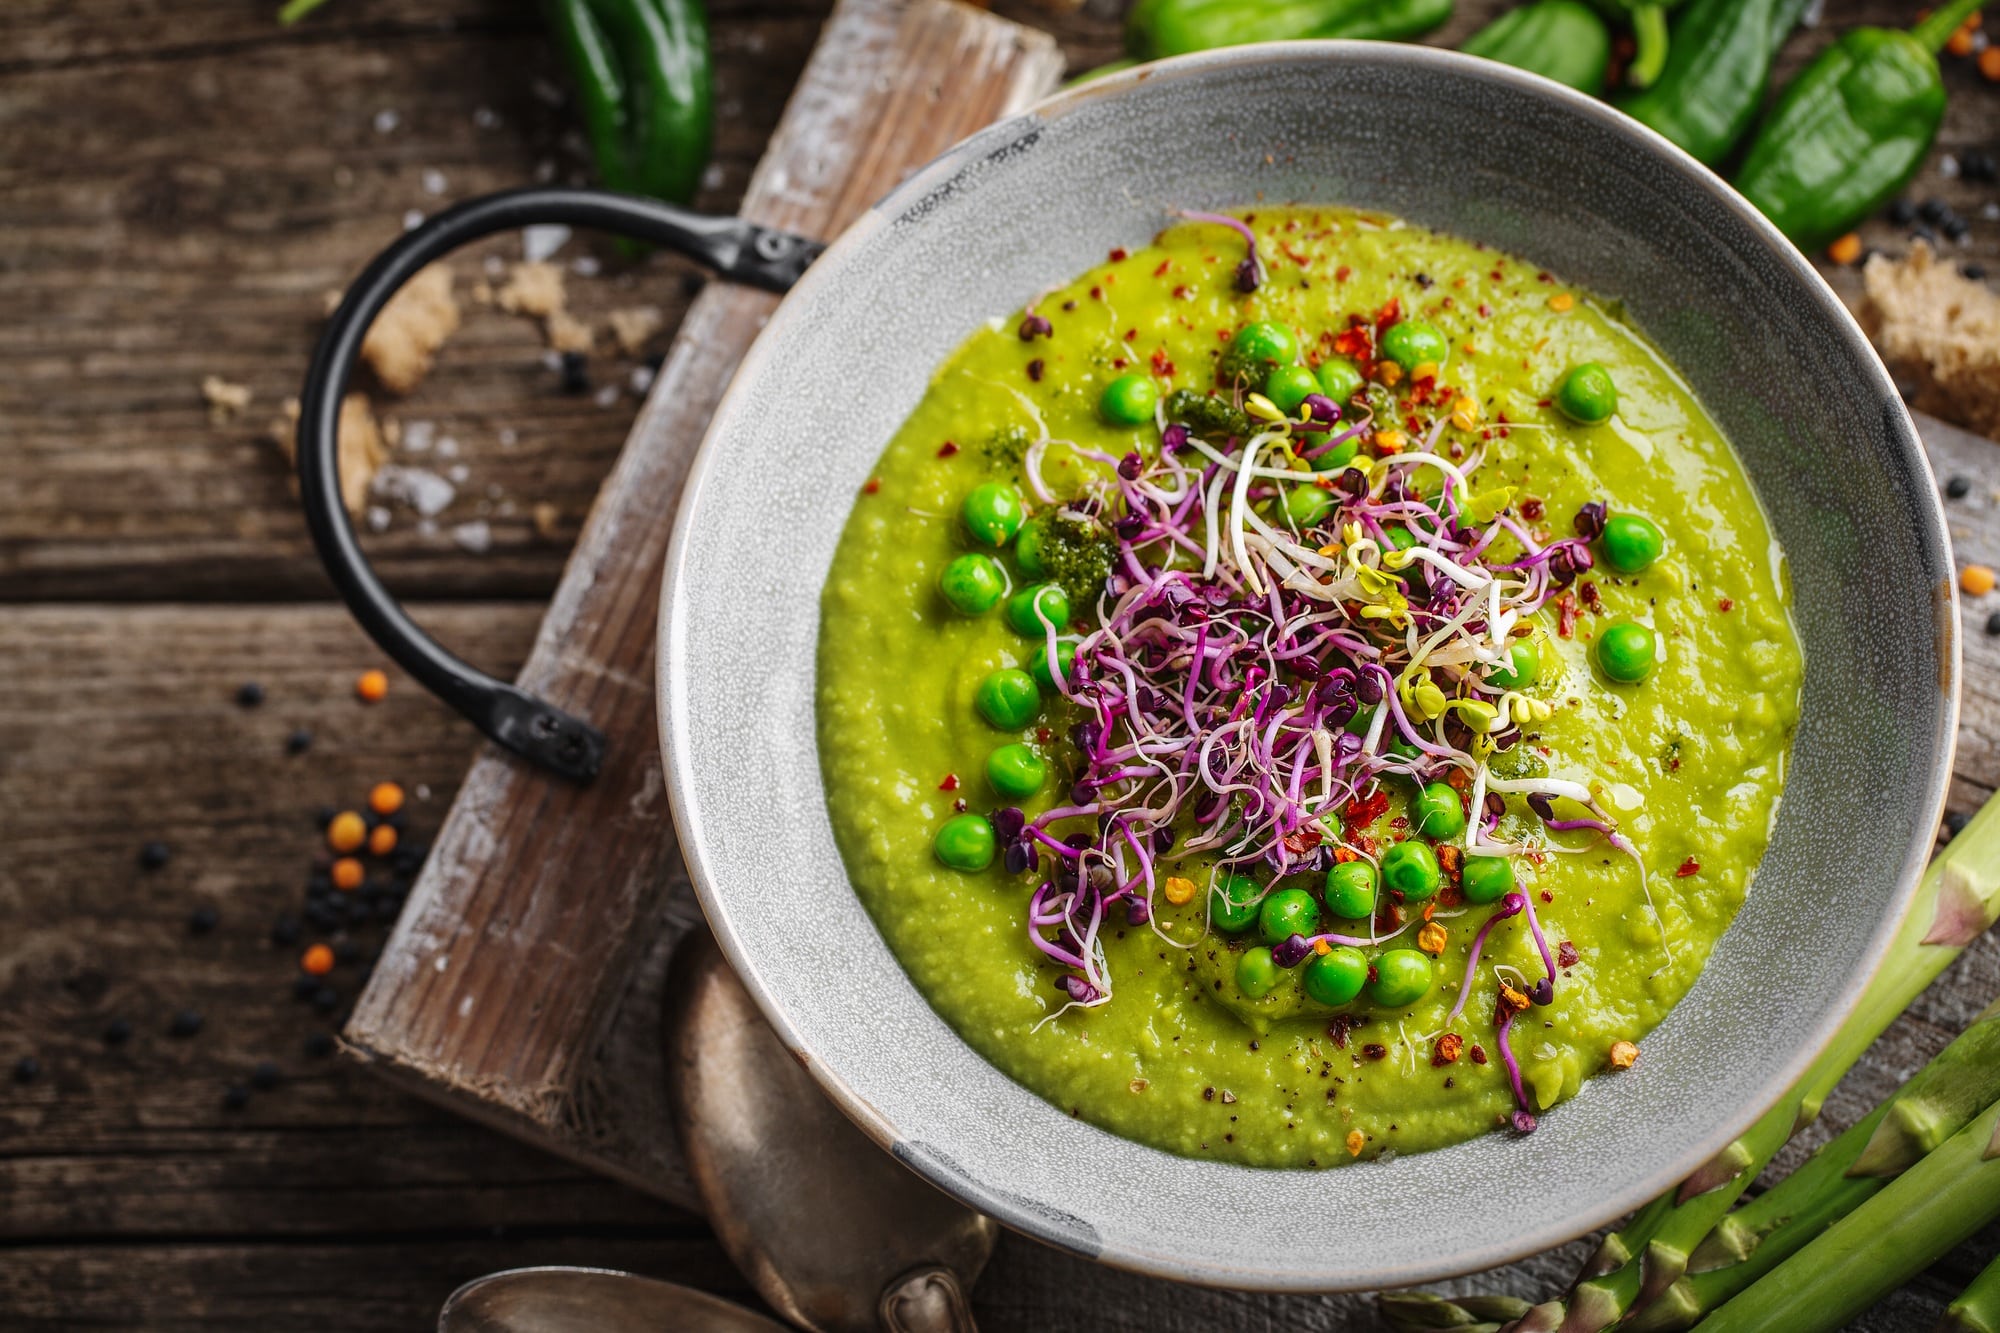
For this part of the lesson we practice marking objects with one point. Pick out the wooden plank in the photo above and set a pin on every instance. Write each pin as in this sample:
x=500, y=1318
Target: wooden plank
x=522, y=937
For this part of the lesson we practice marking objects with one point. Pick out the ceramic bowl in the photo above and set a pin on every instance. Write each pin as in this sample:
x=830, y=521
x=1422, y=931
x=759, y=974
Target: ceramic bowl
x=1473, y=148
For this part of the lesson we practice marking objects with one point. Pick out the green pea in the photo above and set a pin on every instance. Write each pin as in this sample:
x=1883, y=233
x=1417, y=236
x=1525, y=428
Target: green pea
x=1256, y=973
x=1350, y=890
x=1402, y=977
x=1626, y=652
x=1016, y=771
x=1411, y=343
x=1258, y=347
x=993, y=513
x=1486, y=879
x=1232, y=904
x=1411, y=869
x=965, y=842
x=1338, y=379
x=1008, y=698
x=1586, y=395
x=1028, y=549
x=1286, y=913
x=1337, y=457
x=1631, y=543
x=1031, y=608
x=1129, y=400
x=1038, y=663
x=1337, y=976
x=973, y=584
x=1524, y=661
x=1437, y=813
x=1288, y=386
x=1305, y=506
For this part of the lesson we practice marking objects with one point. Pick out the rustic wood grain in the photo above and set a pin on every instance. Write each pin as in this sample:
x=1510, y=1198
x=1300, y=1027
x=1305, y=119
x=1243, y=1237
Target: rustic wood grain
x=520, y=939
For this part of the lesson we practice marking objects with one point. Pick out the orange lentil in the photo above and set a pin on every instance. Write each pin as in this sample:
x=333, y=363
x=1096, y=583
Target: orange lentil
x=1623, y=1055
x=1431, y=939
x=1356, y=1141
x=346, y=874
x=346, y=832
x=1976, y=579
x=1179, y=890
x=317, y=960
x=383, y=840
x=372, y=686
x=1322, y=947
x=1561, y=301
x=1845, y=250
x=1989, y=62
x=1960, y=41
x=1390, y=441
x=1388, y=372
x=386, y=798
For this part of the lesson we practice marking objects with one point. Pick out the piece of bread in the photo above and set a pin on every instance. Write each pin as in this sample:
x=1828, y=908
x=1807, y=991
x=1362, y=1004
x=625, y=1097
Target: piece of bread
x=405, y=337
x=361, y=449
x=1939, y=330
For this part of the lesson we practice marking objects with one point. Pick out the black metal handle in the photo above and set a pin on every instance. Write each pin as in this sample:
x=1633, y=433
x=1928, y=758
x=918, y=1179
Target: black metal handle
x=735, y=249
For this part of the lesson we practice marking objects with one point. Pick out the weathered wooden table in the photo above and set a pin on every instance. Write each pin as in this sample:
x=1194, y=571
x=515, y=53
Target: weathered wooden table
x=181, y=182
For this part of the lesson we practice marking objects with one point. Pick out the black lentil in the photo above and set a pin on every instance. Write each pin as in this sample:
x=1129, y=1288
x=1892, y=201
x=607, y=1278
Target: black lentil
x=299, y=741
x=249, y=694
x=1976, y=272
x=1977, y=167
x=1993, y=623
x=154, y=855
x=1924, y=234
x=1934, y=210
x=326, y=999
x=1902, y=212
x=265, y=1075
x=305, y=987
x=27, y=1069
x=117, y=1032
x=203, y=919
x=1958, y=488
x=184, y=1023
x=575, y=373
x=235, y=1097
x=285, y=930
x=1955, y=228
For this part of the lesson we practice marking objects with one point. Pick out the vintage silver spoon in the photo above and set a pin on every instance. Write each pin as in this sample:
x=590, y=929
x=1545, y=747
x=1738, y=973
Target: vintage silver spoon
x=590, y=1300
x=833, y=1232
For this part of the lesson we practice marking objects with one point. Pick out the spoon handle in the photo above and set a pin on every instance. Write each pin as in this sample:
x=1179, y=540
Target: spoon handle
x=927, y=1300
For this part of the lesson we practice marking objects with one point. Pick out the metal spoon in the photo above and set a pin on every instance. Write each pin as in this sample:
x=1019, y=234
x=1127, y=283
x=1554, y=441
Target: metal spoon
x=590, y=1300
x=833, y=1232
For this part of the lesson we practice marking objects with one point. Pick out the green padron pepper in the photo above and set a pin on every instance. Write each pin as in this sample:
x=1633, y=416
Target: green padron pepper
x=1649, y=30
x=1713, y=82
x=1563, y=40
x=641, y=69
x=1158, y=28
x=1851, y=129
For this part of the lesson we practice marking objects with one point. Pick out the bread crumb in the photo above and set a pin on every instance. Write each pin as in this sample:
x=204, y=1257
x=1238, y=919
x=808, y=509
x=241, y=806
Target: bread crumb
x=546, y=519
x=361, y=452
x=534, y=289
x=1940, y=329
x=632, y=327
x=404, y=339
x=225, y=399
x=567, y=333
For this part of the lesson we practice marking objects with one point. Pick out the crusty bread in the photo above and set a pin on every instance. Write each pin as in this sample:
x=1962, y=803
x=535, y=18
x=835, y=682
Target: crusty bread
x=1940, y=331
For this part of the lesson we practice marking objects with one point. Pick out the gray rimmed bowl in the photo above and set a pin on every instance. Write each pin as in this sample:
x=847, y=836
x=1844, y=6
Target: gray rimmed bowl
x=1472, y=148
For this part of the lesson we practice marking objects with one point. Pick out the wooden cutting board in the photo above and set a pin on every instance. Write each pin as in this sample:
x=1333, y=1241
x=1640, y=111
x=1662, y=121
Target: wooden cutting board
x=521, y=986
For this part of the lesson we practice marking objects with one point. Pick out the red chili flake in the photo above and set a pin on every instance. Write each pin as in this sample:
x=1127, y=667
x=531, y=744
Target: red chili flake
x=1303, y=840
x=1180, y=293
x=1097, y=293
x=1118, y=255
x=947, y=449
x=1485, y=310
x=1343, y=273
x=1591, y=598
x=1725, y=606
x=1447, y=1050
x=1532, y=509
x=1686, y=868
x=959, y=805
x=1391, y=311
x=1566, y=616
x=1340, y=1025
x=1548, y=897
x=1293, y=255
x=1035, y=370
x=1131, y=335
x=1389, y=915
x=1365, y=810
x=1374, y=1050
x=1478, y=1054
x=872, y=485
x=1161, y=366
x=1566, y=955
x=1544, y=277
x=1044, y=735
x=1118, y=363
x=950, y=782
x=1165, y=264
x=1069, y=304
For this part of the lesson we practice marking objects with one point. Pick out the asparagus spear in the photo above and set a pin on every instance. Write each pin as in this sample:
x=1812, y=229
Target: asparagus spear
x=1925, y=1211
x=1934, y=1104
x=1977, y=1309
x=1958, y=898
x=1421, y=1312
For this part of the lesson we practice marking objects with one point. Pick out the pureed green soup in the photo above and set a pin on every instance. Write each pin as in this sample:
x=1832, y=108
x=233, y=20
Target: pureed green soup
x=1297, y=701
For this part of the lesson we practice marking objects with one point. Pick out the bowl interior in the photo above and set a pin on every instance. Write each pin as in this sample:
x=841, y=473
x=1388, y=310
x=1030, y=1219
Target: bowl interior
x=1468, y=147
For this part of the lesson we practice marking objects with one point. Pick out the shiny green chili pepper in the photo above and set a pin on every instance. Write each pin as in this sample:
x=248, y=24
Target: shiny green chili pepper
x=1158, y=28
x=1851, y=129
x=641, y=69
x=1563, y=40
x=1713, y=82
x=1649, y=30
